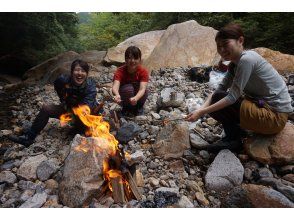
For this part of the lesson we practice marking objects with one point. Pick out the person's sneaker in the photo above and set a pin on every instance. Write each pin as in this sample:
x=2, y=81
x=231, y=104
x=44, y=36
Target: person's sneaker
x=24, y=140
x=234, y=145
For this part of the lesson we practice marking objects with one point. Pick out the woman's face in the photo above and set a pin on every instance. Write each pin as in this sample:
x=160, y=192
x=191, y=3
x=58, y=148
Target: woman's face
x=230, y=49
x=132, y=63
x=79, y=75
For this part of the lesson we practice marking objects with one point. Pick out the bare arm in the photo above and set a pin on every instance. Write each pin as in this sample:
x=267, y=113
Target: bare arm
x=142, y=89
x=115, y=87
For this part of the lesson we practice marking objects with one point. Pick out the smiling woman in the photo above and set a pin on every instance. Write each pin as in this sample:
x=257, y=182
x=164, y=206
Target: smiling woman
x=74, y=90
x=257, y=98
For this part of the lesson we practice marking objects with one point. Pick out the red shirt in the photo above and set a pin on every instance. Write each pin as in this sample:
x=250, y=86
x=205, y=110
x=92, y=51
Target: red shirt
x=124, y=77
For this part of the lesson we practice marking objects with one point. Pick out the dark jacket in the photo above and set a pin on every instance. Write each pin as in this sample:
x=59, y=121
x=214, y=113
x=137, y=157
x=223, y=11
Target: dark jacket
x=72, y=95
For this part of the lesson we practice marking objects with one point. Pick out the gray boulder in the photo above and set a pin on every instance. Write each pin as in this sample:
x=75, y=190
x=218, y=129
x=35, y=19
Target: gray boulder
x=225, y=172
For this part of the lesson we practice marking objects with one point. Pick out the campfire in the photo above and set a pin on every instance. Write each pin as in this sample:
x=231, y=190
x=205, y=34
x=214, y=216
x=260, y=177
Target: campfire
x=117, y=174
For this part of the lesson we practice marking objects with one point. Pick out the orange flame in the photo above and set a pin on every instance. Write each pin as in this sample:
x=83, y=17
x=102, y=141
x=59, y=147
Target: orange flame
x=104, y=140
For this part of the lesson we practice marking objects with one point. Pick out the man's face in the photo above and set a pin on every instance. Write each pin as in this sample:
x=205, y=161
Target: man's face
x=79, y=75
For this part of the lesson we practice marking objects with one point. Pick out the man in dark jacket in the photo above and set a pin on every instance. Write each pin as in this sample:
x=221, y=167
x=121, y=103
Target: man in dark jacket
x=73, y=90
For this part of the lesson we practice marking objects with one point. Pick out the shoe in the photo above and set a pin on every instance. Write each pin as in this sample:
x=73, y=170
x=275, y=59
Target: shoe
x=234, y=145
x=24, y=140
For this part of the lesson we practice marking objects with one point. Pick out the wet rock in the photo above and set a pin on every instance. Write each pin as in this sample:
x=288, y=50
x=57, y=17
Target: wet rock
x=273, y=149
x=170, y=98
x=82, y=173
x=7, y=177
x=28, y=168
x=166, y=197
x=36, y=201
x=197, y=142
x=127, y=132
x=256, y=196
x=225, y=172
x=46, y=169
x=172, y=141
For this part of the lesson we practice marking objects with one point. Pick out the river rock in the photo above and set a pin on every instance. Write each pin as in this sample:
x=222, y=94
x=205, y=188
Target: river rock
x=256, y=196
x=36, y=201
x=145, y=41
x=28, y=168
x=184, y=44
x=170, y=98
x=225, y=172
x=272, y=149
x=82, y=174
x=172, y=141
x=7, y=177
x=197, y=142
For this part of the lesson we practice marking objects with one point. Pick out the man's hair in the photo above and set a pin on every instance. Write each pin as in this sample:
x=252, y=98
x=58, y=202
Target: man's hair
x=230, y=31
x=84, y=65
x=133, y=51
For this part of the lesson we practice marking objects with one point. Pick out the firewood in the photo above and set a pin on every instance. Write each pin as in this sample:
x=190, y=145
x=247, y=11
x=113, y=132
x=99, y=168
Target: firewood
x=118, y=190
x=133, y=185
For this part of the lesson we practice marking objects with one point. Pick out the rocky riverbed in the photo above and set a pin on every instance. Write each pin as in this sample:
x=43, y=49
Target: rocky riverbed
x=174, y=169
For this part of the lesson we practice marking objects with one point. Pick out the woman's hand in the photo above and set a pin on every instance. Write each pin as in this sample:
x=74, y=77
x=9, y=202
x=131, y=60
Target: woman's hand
x=133, y=101
x=117, y=99
x=194, y=116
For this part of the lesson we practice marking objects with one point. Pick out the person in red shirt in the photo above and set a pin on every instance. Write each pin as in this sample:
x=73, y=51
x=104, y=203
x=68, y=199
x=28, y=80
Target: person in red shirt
x=130, y=83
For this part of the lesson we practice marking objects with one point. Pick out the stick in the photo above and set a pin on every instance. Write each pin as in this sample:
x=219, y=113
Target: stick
x=118, y=190
x=133, y=186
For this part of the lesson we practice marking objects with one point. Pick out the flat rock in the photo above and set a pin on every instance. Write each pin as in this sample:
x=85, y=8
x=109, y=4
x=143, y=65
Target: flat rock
x=272, y=149
x=28, y=169
x=172, y=141
x=225, y=172
x=197, y=142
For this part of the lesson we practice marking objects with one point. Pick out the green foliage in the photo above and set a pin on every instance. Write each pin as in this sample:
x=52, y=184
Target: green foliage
x=105, y=30
x=35, y=37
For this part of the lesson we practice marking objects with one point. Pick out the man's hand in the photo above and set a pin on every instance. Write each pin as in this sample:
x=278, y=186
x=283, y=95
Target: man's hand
x=133, y=101
x=117, y=99
x=194, y=116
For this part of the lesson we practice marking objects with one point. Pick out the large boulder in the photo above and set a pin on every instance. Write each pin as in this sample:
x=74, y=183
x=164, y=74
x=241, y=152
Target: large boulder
x=93, y=57
x=49, y=70
x=283, y=63
x=172, y=140
x=28, y=169
x=256, y=196
x=145, y=41
x=225, y=172
x=184, y=44
x=83, y=171
x=272, y=149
